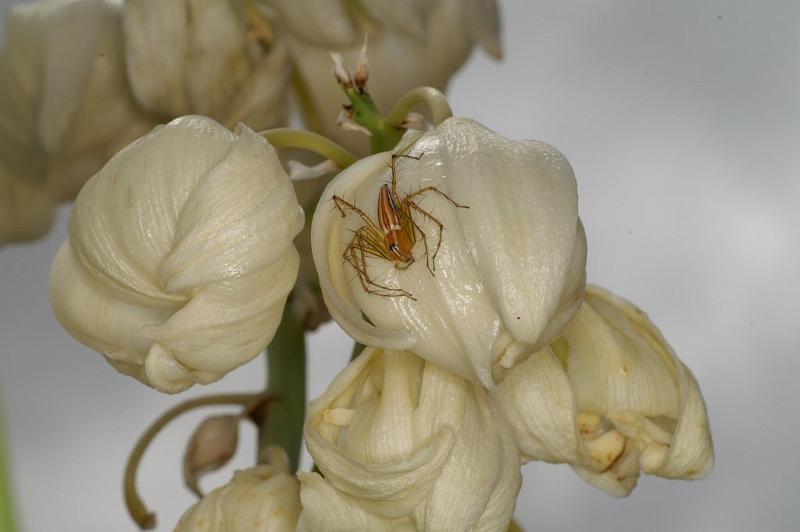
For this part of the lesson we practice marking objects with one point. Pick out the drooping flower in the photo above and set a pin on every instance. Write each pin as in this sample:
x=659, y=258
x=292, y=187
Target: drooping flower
x=180, y=254
x=207, y=57
x=497, y=280
x=404, y=442
x=611, y=399
x=411, y=44
x=264, y=498
x=65, y=107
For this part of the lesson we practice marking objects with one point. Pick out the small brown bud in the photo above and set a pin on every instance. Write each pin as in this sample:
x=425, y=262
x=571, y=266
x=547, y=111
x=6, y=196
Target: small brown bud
x=210, y=447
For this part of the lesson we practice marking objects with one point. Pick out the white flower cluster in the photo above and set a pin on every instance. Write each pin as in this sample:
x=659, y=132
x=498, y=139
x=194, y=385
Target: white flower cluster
x=458, y=260
x=489, y=358
x=80, y=79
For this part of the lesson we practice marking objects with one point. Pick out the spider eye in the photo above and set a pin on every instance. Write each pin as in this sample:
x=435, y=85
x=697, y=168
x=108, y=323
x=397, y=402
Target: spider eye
x=394, y=248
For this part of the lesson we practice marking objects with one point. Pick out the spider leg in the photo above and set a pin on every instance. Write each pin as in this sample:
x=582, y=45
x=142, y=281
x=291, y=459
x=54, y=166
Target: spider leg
x=395, y=159
x=415, y=227
x=432, y=218
x=436, y=190
x=344, y=207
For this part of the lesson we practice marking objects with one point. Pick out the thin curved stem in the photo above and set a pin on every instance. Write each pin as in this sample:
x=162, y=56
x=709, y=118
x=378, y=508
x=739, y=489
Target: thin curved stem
x=432, y=98
x=136, y=508
x=285, y=137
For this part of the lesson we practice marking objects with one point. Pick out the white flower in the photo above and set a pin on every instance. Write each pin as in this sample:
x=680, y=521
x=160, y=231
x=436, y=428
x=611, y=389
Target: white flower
x=26, y=211
x=65, y=107
x=411, y=44
x=510, y=269
x=180, y=254
x=611, y=399
x=264, y=498
x=405, y=441
x=204, y=57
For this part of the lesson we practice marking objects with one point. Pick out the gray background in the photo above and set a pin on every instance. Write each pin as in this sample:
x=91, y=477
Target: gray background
x=682, y=121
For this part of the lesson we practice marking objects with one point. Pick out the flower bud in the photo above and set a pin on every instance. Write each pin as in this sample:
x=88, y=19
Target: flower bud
x=180, y=254
x=264, y=498
x=610, y=399
x=402, y=440
x=205, y=57
x=492, y=279
x=411, y=44
x=210, y=447
x=65, y=107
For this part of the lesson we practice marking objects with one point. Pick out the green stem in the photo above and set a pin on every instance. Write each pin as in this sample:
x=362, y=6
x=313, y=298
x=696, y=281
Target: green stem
x=136, y=508
x=7, y=521
x=286, y=384
x=383, y=135
x=285, y=137
x=433, y=98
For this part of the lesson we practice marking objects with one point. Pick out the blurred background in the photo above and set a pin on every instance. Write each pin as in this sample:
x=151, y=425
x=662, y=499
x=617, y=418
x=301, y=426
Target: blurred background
x=682, y=122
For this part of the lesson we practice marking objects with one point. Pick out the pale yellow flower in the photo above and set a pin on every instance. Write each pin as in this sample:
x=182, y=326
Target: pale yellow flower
x=611, y=399
x=401, y=441
x=510, y=268
x=180, y=254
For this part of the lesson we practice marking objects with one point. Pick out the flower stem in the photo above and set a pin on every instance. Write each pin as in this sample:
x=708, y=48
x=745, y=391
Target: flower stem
x=7, y=521
x=286, y=383
x=136, y=508
x=285, y=137
x=433, y=98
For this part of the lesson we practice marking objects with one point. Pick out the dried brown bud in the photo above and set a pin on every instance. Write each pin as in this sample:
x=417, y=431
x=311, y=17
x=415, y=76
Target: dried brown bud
x=212, y=444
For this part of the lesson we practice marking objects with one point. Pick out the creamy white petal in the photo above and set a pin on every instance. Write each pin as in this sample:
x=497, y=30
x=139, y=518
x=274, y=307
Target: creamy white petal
x=64, y=90
x=324, y=24
x=264, y=498
x=483, y=24
x=611, y=399
x=200, y=56
x=326, y=509
x=180, y=256
x=509, y=271
x=417, y=440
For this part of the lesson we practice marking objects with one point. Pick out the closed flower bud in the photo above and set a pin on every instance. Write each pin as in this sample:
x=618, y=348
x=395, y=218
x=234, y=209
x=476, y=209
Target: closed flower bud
x=611, y=399
x=65, y=107
x=180, y=254
x=206, y=57
x=26, y=211
x=498, y=264
x=401, y=440
x=210, y=447
x=264, y=498
x=411, y=44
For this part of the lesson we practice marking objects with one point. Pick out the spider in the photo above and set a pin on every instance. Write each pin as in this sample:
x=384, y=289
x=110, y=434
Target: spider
x=394, y=236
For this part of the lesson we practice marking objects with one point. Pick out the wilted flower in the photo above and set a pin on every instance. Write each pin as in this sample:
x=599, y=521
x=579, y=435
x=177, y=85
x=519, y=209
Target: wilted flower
x=509, y=272
x=264, y=498
x=26, y=211
x=208, y=57
x=610, y=399
x=411, y=44
x=405, y=441
x=65, y=107
x=180, y=254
